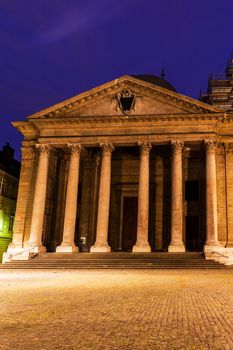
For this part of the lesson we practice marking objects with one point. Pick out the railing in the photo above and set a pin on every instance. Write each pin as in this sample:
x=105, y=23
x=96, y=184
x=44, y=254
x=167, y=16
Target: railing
x=23, y=251
x=221, y=254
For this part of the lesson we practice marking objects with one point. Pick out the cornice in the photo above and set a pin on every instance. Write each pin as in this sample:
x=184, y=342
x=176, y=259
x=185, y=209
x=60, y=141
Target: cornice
x=28, y=129
x=60, y=123
x=112, y=87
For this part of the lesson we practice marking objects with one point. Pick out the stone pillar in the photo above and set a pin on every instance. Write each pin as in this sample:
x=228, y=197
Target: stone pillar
x=142, y=244
x=211, y=195
x=176, y=244
x=101, y=244
x=39, y=198
x=67, y=244
x=28, y=156
x=229, y=192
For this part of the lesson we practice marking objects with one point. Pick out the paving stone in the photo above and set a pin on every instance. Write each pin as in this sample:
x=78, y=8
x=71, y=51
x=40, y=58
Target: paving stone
x=135, y=310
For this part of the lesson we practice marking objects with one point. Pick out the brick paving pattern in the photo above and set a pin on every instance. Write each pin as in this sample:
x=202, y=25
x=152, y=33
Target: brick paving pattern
x=106, y=310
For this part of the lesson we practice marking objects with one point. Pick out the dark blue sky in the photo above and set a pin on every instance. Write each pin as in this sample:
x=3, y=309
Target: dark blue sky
x=51, y=50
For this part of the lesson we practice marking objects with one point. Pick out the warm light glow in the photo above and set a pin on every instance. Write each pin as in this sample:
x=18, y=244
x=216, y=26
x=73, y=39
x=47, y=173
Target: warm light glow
x=1, y=221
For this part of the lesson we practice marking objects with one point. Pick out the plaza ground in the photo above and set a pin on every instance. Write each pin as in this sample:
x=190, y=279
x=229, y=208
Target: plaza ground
x=105, y=310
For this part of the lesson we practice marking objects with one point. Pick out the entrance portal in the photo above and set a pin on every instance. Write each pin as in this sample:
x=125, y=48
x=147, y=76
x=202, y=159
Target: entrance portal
x=129, y=230
x=193, y=241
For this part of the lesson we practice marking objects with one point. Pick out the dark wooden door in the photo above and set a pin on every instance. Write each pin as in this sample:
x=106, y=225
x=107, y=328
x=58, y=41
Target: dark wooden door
x=193, y=241
x=129, y=232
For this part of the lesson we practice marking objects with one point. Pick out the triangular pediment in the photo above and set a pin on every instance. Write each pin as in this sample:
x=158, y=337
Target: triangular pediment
x=126, y=96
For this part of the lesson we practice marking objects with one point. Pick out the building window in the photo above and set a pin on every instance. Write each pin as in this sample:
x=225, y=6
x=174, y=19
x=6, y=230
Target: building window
x=2, y=186
x=191, y=191
x=11, y=222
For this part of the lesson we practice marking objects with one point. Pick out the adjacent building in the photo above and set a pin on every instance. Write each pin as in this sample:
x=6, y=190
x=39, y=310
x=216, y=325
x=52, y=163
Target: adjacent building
x=220, y=89
x=130, y=165
x=9, y=179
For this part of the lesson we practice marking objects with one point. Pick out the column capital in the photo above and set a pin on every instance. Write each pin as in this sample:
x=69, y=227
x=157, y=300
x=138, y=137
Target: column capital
x=177, y=145
x=107, y=148
x=75, y=148
x=210, y=145
x=43, y=149
x=145, y=146
x=28, y=153
x=228, y=147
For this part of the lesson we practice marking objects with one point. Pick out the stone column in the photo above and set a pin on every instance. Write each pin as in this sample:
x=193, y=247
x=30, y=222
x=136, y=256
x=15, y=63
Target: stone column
x=176, y=244
x=28, y=156
x=142, y=244
x=67, y=245
x=101, y=244
x=39, y=198
x=211, y=195
x=229, y=192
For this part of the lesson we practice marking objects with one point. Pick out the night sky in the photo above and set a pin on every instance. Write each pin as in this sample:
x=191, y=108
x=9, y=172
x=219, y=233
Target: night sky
x=51, y=50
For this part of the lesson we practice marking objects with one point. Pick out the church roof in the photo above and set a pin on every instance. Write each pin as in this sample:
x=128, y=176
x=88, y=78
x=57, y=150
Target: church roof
x=152, y=84
x=154, y=79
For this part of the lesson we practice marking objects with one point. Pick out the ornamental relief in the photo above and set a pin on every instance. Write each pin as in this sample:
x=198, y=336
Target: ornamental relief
x=28, y=153
x=107, y=148
x=210, y=145
x=228, y=147
x=43, y=149
x=126, y=100
x=75, y=148
x=177, y=145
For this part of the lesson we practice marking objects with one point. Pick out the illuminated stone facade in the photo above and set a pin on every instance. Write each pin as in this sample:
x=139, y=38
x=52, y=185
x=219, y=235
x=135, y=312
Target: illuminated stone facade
x=128, y=166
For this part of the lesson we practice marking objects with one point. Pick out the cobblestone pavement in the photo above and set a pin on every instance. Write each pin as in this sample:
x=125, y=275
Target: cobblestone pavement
x=106, y=310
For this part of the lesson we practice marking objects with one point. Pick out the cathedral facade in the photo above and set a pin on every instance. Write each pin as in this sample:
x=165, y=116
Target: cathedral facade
x=131, y=165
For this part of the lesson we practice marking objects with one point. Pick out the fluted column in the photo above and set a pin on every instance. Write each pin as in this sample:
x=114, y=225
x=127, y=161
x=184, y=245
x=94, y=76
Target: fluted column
x=142, y=244
x=101, y=244
x=39, y=197
x=67, y=244
x=211, y=195
x=176, y=244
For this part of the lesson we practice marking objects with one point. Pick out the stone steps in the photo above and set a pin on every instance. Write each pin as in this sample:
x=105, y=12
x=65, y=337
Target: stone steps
x=116, y=261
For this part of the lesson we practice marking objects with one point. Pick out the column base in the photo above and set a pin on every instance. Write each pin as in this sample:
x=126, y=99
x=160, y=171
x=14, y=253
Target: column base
x=19, y=252
x=210, y=245
x=229, y=245
x=100, y=249
x=139, y=248
x=67, y=248
x=176, y=248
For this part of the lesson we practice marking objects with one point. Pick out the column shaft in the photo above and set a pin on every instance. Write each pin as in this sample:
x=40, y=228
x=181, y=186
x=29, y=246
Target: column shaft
x=39, y=197
x=28, y=156
x=176, y=244
x=211, y=195
x=142, y=244
x=68, y=244
x=101, y=244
